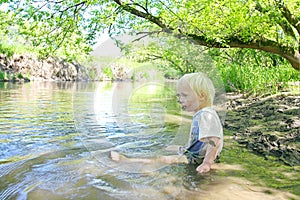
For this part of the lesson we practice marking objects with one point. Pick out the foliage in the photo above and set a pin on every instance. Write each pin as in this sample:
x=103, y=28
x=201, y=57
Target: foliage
x=170, y=52
x=21, y=36
x=2, y=76
x=257, y=80
x=92, y=74
x=108, y=72
x=268, y=25
x=242, y=70
x=248, y=70
x=4, y=49
x=246, y=57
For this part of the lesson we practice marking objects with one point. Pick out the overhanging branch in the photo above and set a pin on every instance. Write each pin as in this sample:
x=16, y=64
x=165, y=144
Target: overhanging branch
x=141, y=14
x=263, y=44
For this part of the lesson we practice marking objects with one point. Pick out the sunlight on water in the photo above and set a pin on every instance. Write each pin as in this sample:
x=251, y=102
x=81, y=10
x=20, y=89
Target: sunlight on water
x=128, y=119
x=103, y=104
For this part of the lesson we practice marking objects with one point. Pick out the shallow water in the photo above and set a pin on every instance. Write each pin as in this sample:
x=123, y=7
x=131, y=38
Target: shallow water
x=55, y=140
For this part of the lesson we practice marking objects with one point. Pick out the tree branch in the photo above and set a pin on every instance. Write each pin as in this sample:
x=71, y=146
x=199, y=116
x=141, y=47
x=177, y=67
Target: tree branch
x=138, y=5
x=163, y=58
x=64, y=35
x=141, y=14
x=80, y=4
x=263, y=44
x=145, y=34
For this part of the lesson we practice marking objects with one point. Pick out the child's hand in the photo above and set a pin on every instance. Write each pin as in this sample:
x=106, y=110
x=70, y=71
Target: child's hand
x=203, y=168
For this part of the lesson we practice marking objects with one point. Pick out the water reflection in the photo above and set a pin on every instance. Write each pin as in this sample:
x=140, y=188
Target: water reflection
x=127, y=117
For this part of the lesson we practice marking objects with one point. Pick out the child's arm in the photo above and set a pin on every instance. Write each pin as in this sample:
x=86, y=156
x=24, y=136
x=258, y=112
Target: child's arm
x=211, y=154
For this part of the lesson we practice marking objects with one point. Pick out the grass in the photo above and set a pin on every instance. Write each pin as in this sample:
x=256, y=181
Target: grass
x=4, y=76
x=258, y=80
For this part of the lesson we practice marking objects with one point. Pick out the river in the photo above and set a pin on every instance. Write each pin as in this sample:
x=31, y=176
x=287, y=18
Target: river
x=56, y=138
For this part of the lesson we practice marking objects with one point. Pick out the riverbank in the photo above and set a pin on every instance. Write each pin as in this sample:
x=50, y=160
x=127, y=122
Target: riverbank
x=267, y=126
x=24, y=68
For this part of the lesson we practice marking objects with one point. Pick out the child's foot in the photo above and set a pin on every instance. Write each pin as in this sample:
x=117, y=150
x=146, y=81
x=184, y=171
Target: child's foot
x=116, y=156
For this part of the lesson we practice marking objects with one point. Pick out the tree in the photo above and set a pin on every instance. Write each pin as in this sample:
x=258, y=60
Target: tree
x=172, y=55
x=28, y=27
x=268, y=25
x=271, y=26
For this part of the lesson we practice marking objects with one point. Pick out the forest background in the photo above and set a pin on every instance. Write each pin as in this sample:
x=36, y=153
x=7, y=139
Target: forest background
x=253, y=44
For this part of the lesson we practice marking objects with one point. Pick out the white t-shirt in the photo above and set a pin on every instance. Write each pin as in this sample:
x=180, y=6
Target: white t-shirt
x=206, y=123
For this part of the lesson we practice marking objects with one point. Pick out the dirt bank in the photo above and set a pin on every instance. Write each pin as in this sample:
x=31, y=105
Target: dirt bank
x=29, y=67
x=268, y=126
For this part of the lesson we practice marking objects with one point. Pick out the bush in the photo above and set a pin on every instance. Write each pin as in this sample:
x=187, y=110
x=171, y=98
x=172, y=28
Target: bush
x=108, y=72
x=2, y=76
x=257, y=80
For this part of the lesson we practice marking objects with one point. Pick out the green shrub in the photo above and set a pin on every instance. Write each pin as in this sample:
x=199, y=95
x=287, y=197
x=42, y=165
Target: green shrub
x=257, y=80
x=19, y=75
x=2, y=75
x=108, y=72
x=6, y=49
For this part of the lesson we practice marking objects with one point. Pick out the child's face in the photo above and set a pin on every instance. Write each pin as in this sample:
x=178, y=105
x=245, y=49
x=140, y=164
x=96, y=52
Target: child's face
x=187, y=98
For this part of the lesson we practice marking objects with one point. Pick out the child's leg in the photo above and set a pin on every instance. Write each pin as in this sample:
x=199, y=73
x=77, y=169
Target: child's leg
x=172, y=159
x=119, y=157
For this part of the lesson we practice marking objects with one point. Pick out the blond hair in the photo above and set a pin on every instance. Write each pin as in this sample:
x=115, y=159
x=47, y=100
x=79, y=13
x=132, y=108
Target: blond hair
x=200, y=84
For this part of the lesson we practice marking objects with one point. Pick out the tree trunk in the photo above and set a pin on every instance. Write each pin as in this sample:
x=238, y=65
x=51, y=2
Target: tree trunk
x=294, y=60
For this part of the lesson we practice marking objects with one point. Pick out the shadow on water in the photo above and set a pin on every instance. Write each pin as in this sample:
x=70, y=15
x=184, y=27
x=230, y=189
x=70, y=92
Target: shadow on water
x=55, y=140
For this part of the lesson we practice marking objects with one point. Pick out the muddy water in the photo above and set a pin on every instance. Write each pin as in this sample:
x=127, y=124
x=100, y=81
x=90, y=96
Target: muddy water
x=55, y=140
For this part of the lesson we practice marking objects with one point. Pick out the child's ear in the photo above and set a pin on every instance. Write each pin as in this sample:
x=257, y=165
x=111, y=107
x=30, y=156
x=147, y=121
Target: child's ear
x=202, y=96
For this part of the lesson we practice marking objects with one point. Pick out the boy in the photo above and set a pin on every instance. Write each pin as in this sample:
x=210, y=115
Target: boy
x=195, y=93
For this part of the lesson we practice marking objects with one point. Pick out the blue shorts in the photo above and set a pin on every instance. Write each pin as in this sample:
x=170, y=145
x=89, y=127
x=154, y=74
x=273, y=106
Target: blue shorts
x=192, y=152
